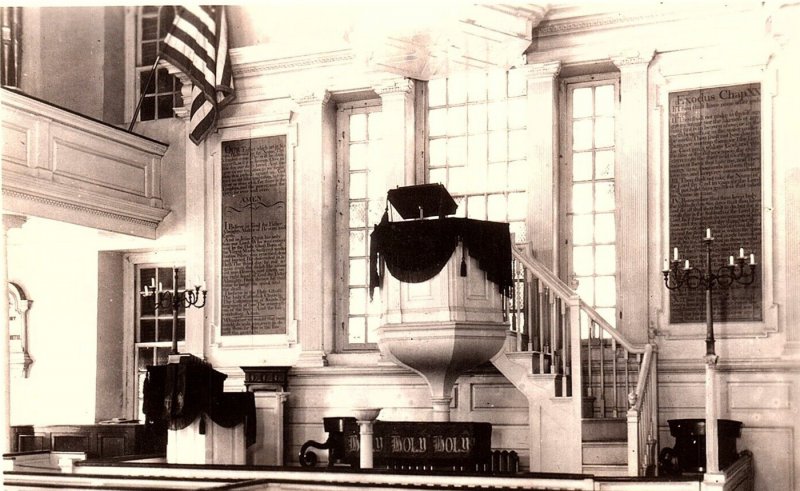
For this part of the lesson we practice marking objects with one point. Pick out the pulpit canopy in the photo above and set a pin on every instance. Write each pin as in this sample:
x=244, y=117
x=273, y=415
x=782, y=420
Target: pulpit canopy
x=422, y=201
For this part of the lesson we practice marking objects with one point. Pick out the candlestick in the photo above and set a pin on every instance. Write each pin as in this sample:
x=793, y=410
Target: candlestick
x=176, y=299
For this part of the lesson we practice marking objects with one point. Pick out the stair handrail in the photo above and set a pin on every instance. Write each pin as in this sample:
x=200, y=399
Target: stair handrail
x=565, y=292
x=635, y=398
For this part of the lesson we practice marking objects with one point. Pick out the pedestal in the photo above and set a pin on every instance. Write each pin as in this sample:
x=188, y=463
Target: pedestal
x=213, y=444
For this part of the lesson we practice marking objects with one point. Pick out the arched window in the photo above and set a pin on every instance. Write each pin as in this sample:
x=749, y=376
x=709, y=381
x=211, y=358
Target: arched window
x=164, y=91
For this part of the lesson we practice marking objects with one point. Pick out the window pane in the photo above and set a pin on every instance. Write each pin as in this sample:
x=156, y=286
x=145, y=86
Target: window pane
x=604, y=196
x=374, y=126
x=149, y=28
x=358, y=127
x=498, y=118
x=358, y=243
x=604, y=231
x=162, y=355
x=358, y=214
x=604, y=164
x=610, y=315
x=477, y=180
x=437, y=152
x=358, y=301
x=605, y=259
x=457, y=120
x=358, y=185
x=496, y=181
x=585, y=289
x=165, y=277
x=144, y=357
x=358, y=272
x=373, y=323
x=517, y=144
x=605, y=291
x=476, y=207
x=355, y=330
x=518, y=174
x=496, y=208
x=457, y=180
x=582, y=166
x=164, y=106
x=582, y=135
x=582, y=198
x=456, y=89
x=582, y=260
x=496, y=84
x=476, y=114
x=476, y=87
x=148, y=110
x=517, y=113
x=181, y=329
x=498, y=150
x=582, y=102
x=604, y=132
x=476, y=150
x=517, y=83
x=437, y=92
x=517, y=206
x=147, y=331
x=165, y=330
x=582, y=229
x=457, y=151
x=438, y=176
x=437, y=122
x=358, y=156
x=604, y=100
x=519, y=230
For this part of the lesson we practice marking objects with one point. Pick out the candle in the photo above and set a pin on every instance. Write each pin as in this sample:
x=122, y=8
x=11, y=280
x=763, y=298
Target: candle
x=160, y=287
x=752, y=259
x=730, y=261
x=687, y=265
x=708, y=233
x=741, y=252
x=675, y=254
x=152, y=282
x=666, y=265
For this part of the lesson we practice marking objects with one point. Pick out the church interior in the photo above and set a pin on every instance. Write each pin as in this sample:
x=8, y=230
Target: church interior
x=401, y=245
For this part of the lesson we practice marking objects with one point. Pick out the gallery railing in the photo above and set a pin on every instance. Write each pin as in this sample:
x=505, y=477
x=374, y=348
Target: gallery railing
x=549, y=318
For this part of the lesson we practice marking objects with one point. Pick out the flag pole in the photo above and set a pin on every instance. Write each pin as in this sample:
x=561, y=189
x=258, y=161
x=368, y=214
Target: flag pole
x=144, y=91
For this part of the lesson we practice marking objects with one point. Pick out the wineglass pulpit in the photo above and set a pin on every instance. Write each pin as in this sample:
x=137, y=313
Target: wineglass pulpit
x=443, y=294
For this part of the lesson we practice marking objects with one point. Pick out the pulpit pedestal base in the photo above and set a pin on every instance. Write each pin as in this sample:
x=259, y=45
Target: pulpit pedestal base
x=218, y=445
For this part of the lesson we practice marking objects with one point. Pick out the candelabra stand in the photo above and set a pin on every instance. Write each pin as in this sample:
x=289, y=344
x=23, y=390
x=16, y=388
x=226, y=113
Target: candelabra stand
x=675, y=278
x=174, y=300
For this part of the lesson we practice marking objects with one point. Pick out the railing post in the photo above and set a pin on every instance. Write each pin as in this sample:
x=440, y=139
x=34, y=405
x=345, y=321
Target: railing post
x=575, y=353
x=633, y=442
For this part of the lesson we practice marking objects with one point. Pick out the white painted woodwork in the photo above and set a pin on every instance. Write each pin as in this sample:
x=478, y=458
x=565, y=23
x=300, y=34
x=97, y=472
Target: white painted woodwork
x=218, y=445
x=63, y=166
x=269, y=446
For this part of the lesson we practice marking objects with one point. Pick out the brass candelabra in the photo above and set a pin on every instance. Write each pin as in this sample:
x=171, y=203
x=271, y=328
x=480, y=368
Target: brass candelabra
x=175, y=299
x=738, y=270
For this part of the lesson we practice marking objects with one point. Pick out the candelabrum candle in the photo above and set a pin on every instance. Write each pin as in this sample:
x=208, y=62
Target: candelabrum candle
x=730, y=260
x=708, y=233
x=666, y=265
x=752, y=258
x=675, y=254
x=741, y=252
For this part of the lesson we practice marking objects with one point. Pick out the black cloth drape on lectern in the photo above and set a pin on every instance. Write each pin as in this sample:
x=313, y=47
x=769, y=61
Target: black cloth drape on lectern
x=179, y=393
x=415, y=251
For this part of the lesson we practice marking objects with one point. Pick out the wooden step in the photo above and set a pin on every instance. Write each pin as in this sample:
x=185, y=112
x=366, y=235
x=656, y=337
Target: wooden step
x=608, y=470
x=605, y=453
x=604, y=429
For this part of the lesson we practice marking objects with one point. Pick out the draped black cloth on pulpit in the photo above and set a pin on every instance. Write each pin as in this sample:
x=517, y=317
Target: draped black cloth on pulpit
x=179, y=393
x=415, y=251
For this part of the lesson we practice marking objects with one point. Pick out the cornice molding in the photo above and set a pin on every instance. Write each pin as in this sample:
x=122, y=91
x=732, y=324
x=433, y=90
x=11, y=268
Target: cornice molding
x=311, y=97
x=633, y=59
x=592, y=22
x=395, y=86
x=11, y=220
x=254, y=61
x=549, y=70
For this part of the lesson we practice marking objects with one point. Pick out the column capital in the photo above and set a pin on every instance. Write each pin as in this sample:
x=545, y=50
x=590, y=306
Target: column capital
x=633, y=59
x=13, y=221
x=403, y=86
x=309, y=97
x=549, y=70
x=186, y=95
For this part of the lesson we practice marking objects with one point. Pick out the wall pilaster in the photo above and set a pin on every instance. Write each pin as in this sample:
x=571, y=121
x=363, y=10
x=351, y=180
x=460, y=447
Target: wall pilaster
x=315, y=171
x=631, y=177
x=543, y=159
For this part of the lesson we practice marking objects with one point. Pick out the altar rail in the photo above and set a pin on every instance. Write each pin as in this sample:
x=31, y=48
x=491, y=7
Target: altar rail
x=549, y=318
x=153, y=475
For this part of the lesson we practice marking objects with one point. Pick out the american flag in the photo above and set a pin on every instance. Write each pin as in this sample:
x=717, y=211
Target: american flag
x=197, y=45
